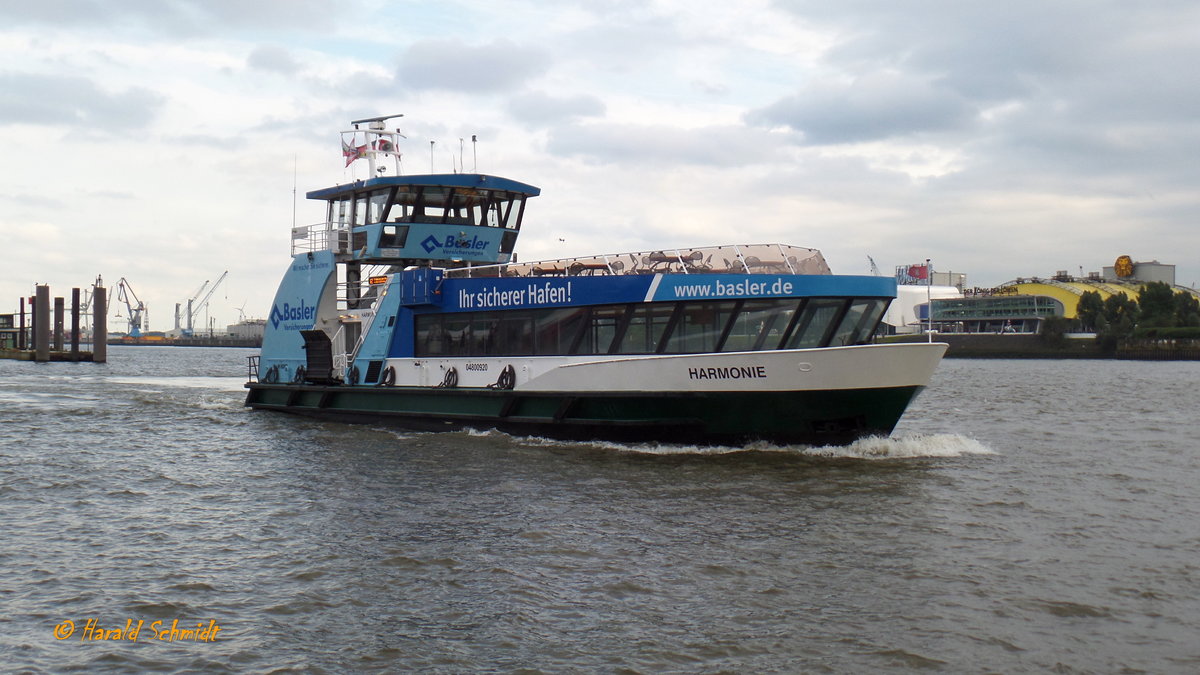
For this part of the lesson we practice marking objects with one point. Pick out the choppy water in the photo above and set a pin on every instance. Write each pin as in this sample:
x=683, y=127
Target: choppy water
x=1028, y=516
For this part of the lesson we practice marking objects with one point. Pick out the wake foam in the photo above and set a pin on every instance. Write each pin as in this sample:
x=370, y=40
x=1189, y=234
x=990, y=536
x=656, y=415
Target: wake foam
x=874, y=447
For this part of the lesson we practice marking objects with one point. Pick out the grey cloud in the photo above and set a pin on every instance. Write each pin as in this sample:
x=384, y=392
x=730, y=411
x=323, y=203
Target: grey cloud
x=179, y=17
x=873, y=107
x=451, y=65
x=73, y=100
x=539, y=108
x=1080, y=92
x=724, y=146
x=273, y=59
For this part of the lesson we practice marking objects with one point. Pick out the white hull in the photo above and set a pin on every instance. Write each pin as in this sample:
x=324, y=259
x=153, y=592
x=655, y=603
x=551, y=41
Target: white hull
x=833, y=368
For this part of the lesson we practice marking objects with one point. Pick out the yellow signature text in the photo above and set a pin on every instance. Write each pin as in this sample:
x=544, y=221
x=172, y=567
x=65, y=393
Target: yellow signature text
x=94, y=631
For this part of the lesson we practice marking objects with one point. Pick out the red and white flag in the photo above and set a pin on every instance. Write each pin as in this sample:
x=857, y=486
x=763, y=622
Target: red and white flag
x=353, y=152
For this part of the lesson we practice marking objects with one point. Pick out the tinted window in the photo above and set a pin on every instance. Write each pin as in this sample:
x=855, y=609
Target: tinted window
x=814, y=323
x=858, y=322
x=699, y=327
x=645, y=329
x=759, y=325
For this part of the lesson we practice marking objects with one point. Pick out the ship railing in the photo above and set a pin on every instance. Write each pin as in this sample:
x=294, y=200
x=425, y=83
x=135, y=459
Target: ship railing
x=731, y=259
x=323, y=236
x=340, y=360
x=363, y=293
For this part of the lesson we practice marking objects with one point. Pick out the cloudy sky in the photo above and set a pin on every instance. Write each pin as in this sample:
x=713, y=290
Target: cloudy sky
x=160, y=140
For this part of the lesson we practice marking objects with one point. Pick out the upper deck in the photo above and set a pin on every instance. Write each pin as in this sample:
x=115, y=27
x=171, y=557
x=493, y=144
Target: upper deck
x=730, y=259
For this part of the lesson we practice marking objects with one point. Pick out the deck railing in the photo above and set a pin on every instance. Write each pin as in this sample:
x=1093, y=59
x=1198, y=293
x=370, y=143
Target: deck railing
x=732, y=259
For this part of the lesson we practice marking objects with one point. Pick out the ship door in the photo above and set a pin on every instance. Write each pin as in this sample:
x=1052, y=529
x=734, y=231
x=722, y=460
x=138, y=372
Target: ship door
x=319, y=349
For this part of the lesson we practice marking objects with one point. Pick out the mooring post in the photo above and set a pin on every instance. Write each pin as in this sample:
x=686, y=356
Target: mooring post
x=59, y=315
x=74, y=324
x=99, y=324
x=41, y=324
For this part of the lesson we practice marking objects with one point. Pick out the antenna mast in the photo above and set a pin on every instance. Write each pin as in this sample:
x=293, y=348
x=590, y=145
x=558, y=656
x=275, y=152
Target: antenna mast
x=377, y=141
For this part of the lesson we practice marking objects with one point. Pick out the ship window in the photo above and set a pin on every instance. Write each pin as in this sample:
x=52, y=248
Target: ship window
x=360, y=210
x=699, y=327
x=394, y=236
x=507, y=242
x=443, y=335
x=377, y=211
x=339, y=211
x=760, y=323
x=483, y=334
x=555, y=330
x=859, y=320
x=815, y=323
x=672, y=328
x=600, y=332
x=515, y=334
x=645, y=329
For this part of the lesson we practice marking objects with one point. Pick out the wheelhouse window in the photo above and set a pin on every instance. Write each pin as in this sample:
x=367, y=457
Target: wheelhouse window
x=339, y=211
x=393, y=236
x=378, y=206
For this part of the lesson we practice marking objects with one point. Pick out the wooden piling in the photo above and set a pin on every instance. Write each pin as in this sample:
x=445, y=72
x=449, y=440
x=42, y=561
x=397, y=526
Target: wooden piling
x=99, y=325
x=41, y=324
x=74, y=324
x=59, y=313
x=22, y=342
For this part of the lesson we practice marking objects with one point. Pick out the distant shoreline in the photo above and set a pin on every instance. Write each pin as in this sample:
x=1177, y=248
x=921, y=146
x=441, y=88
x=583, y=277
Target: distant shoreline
x=991, y=346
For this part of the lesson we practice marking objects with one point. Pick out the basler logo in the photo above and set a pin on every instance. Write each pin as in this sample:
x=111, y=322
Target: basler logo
x=454, y=244
x=301, y=312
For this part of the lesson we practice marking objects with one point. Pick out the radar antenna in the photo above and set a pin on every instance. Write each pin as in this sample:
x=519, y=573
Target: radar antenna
x=384, y=118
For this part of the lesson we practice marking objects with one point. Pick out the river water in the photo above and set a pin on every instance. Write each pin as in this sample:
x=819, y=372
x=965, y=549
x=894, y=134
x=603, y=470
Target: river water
x=1026, y=516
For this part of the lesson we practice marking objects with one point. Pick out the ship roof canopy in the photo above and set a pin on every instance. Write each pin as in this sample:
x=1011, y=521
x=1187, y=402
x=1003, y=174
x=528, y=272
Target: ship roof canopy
x=452, y=180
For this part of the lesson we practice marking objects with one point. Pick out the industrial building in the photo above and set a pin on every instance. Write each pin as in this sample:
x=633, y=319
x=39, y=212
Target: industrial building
x=1020, y=306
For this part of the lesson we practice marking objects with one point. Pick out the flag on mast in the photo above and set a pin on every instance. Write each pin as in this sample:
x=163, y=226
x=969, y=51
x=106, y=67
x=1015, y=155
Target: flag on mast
x=928, y=295
x=353, y=152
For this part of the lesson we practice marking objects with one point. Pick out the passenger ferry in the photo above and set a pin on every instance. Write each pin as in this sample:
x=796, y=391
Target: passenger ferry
x=406, y=306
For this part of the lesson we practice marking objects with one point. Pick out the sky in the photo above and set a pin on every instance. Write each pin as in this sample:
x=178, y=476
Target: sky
x=167, y=141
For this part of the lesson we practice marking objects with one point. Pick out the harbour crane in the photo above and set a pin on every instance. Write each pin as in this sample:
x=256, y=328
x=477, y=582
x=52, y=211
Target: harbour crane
x=194, y=310
x=135, y=309
x=189, y=304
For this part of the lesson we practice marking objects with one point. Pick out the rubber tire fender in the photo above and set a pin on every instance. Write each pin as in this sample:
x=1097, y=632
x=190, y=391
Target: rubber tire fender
x=389, y=377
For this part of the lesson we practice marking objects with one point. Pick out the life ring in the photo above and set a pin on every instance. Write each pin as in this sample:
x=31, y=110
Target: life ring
x=272, y=375
x=389, y=377
x=352, y=376
x=298, y=378
x=450, y=380
x=507, y=379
